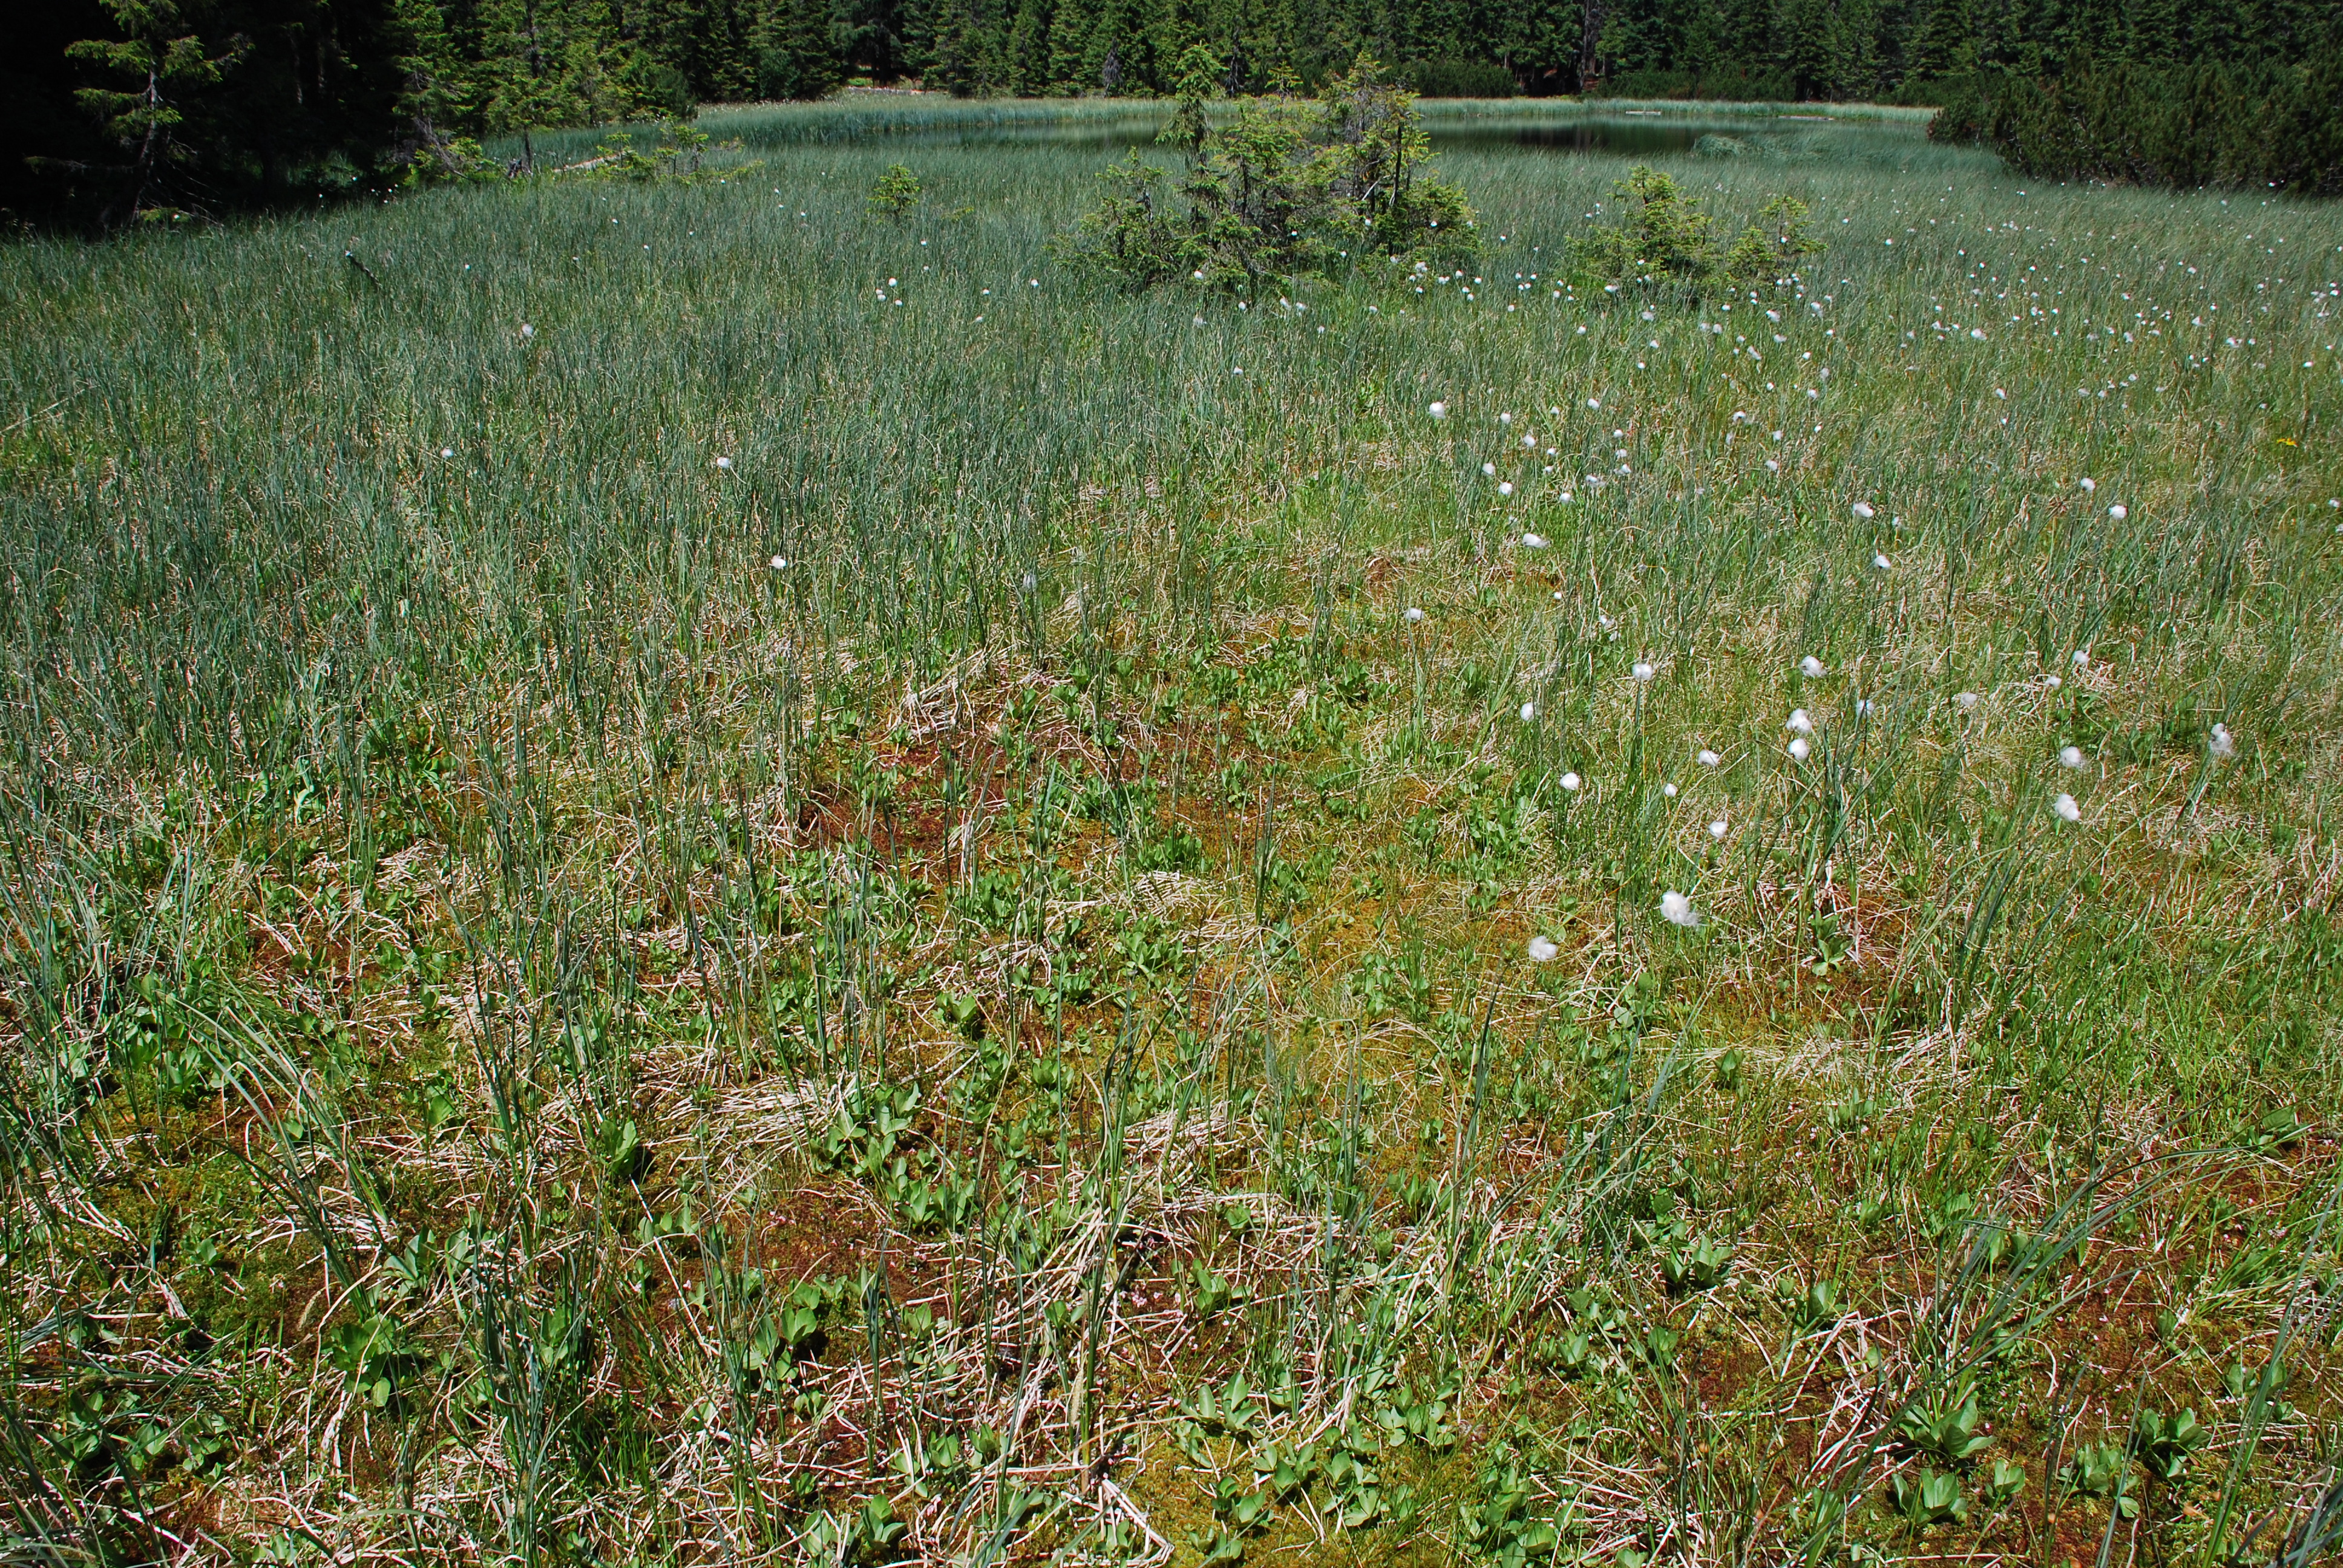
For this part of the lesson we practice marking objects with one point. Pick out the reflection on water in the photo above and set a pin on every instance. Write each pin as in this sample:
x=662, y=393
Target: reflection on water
x=1635, y=137
x=1625, y=135
x=1135, y=132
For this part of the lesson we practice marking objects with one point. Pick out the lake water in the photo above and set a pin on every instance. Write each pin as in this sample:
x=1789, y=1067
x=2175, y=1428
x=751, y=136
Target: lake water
x=1531, y=127
x=1621, y=134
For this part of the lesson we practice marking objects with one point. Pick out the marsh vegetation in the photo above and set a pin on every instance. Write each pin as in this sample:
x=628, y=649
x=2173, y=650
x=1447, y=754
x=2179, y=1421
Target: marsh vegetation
x=697, y=873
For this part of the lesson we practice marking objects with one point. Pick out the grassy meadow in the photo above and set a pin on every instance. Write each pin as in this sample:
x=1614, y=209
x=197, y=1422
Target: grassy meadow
x=692, y=876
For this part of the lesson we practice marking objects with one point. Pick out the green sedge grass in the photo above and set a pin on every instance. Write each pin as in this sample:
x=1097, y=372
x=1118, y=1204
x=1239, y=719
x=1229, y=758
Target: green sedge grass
x=684, y=859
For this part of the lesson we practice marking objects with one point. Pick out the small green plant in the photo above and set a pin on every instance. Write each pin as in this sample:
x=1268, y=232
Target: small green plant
x=865, y=1535
x=1665, y=238
x=895, y=193
x=964, y=1015
x=2163, y=1443
x=1817, y=1306
x=1289, y=187
x=1700, y=1266
x=1506, y=1523
x=1227, y=1410
x=1570, y=1352
x=2279, y=1130
x=1241, y=1509
x=1766, y=254
x=1945, y=1423
x=1214, y=1294
x=447, y=160
x=679, y=151
x=2101, y=1471
x=1927, y=1499
x=373, y=1352
x=626, y=1157
x=1413, y=1415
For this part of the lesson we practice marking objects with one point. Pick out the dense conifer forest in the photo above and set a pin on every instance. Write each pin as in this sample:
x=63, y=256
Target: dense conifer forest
x=183, y=107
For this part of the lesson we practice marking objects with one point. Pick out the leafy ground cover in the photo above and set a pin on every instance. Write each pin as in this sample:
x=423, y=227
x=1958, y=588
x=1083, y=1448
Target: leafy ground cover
x=698, y=873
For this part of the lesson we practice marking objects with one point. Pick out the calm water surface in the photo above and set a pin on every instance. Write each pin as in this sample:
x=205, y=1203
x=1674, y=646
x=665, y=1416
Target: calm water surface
x=1626, y=135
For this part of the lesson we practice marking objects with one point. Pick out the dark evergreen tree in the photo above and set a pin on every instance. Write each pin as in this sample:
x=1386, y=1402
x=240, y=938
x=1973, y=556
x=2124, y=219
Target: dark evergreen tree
x=203, y=105
x=125, y=107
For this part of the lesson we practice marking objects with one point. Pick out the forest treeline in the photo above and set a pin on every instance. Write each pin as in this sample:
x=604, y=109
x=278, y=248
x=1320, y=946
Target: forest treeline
x=121, y=108
x=2268, y=124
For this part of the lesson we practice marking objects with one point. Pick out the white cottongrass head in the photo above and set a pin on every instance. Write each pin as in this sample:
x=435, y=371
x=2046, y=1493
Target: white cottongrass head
x=1414, y=613
x=1488, y=470
x=1966, y=701
x=1707, y=758
x=1529, y=711
x=1677, y=910
x=1641, y=671
x=1542, y=950
x=1504, y=487
x=724, y=463
x=1570, y=781
x=1528, y=541
x=1800, y=750
x=1813, y=668
x=527, y=330
x=2070, y=757
x=779, y=563
x=1863, y=509
x=1718, y=829
x=1883, y=563
x=2067, y=808
x=2082, y=659
x=1798, y=723
x=1438, y=411
x=2088, y=484
x=2221, y=742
